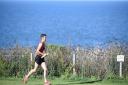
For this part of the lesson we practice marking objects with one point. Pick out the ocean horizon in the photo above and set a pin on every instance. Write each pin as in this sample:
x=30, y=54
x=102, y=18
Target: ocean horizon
x=75, y=23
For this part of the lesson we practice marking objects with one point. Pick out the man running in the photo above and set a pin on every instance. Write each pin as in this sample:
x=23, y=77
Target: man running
x=39, y=59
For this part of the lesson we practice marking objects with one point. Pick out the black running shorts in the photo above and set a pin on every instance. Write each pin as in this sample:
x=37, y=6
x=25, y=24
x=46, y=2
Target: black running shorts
x=39, y=60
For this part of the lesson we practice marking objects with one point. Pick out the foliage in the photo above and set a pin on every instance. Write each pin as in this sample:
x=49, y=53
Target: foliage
x=97, y=62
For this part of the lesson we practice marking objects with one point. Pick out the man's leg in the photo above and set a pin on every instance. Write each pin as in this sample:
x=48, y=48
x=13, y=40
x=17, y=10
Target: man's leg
x=44, y=67
x=32, y=71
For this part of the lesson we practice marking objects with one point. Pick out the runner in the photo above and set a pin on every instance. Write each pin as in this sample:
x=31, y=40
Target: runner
x=39, y=60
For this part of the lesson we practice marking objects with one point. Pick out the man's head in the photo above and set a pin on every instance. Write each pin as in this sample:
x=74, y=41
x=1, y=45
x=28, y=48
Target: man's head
x=43, y=38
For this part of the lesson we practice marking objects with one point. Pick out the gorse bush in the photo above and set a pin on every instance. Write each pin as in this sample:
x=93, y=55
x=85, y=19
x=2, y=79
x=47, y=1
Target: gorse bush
x=3, y=67
x=101, y=61
x=97, y=62
x=15, y=61
x=58, y=60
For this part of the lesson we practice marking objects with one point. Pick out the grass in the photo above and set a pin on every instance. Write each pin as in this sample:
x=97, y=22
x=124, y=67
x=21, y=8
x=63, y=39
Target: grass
x=58, y=81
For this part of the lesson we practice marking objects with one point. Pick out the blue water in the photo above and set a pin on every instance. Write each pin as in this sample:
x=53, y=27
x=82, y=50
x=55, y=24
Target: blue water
x=76, y=23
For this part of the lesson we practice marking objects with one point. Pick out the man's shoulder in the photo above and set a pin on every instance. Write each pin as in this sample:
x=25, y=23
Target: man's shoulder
x=40, y=43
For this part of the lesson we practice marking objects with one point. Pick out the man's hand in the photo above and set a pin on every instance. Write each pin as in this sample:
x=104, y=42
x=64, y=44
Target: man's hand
x=45, y=54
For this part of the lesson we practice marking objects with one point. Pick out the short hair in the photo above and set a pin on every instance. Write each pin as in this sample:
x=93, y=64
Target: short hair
x=43, y=35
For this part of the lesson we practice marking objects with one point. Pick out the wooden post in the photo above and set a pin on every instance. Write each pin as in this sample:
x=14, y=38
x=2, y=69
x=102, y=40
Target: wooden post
x=74, y=62
x=31, y=59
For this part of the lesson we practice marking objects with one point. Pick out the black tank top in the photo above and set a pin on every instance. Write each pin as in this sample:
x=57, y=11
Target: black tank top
x=42, y=47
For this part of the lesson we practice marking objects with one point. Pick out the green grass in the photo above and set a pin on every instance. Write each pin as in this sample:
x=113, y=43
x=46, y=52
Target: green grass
x=13, y=81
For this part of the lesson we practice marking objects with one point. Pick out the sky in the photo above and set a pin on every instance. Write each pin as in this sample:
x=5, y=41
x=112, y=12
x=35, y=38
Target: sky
x=63, y=0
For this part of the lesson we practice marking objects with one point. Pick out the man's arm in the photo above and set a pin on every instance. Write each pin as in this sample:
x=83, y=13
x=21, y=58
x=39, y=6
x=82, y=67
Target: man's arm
x=45, y=54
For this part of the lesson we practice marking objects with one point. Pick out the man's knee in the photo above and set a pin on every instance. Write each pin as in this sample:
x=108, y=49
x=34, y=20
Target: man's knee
x=34, y=70
x=45, y=69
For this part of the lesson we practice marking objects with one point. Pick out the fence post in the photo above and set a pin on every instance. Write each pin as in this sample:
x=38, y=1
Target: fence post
x=31, y=59
x=74, y=62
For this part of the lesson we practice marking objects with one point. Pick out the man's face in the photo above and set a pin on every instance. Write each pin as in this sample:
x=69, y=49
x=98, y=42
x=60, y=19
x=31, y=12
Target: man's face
x=44, y=39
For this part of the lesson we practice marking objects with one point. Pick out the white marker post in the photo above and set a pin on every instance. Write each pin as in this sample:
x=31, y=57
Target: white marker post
x=120, y=58
x=74, y=62
x=31, y=59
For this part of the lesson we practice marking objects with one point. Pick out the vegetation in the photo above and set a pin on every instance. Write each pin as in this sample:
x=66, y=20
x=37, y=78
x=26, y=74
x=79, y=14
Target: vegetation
x=96, y=63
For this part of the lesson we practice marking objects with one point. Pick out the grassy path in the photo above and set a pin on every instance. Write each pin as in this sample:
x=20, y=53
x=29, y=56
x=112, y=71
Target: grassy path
x=13, y=81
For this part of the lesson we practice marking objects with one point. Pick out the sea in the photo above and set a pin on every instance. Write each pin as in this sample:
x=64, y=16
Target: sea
x=84, y=23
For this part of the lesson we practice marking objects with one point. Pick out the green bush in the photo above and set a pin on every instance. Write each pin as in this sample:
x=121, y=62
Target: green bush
x=92, y=62
x=3, y=68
